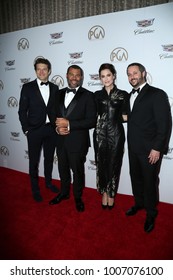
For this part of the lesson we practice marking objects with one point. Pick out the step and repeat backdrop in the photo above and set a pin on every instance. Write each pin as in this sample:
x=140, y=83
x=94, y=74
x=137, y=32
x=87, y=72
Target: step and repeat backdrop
x=142, y=35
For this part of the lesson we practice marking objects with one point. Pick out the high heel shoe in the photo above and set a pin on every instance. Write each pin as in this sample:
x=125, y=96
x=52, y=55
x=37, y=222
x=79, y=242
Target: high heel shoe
x=104, y=200
x=110, y=207
x=104, y=206
x=111, y=203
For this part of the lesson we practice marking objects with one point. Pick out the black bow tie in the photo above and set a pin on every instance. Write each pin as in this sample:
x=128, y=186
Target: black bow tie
x=135, y=90
x=71, y=90
x=44, y=83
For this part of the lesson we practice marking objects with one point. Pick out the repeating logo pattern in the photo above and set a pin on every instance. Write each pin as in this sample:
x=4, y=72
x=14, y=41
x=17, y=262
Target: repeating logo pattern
x=119, y=55
x=4, y=151
x=58, y=80
x=12, y=102
x=96, y=32
x=23, y=44
x=142, y=24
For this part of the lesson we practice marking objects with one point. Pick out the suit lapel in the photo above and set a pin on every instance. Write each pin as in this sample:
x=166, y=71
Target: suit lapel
x=74, y=102
x=38, y=93
x=50, y=94
x=140, y=95
x=61, y=103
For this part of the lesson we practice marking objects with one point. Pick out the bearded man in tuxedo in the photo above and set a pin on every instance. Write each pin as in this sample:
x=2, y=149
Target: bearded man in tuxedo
x=148, y=133
x=75, y=115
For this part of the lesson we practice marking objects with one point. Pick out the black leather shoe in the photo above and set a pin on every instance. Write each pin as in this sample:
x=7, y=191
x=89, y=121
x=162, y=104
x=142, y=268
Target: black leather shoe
x=149, y=224
x=52, y=188
x=58, y=199
x=80, y=207
x=133, y=210
x=37, y=197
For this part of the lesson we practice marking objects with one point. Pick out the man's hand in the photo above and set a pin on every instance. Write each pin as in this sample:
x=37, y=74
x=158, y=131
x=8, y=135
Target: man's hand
x=62, y=126
x=154, y=156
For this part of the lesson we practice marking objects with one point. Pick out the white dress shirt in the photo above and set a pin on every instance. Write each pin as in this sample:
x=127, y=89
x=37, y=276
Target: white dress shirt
x=68, y=97
x=134, y=95
x=45, y=94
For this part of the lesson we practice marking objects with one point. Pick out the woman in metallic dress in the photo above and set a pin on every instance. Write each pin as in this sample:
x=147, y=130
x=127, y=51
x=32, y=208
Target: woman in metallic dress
x=109, y=135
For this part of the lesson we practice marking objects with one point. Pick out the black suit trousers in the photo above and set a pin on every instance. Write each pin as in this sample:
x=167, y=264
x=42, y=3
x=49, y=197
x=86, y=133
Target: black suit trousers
x=145, y=181
x=74, y=161
x=44, y=138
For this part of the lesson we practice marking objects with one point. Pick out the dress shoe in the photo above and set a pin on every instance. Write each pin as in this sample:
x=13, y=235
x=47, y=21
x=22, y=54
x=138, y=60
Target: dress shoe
x=149, y=224
x=133, y=210
x=58, y=199
x=37, y=197
x=80, y=207
x=52, y=188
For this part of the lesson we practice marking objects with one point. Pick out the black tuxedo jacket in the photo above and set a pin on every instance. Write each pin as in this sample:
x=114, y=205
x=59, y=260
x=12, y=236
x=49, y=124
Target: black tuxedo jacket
x=32, y=108
x=149, y=122
x=81, y=114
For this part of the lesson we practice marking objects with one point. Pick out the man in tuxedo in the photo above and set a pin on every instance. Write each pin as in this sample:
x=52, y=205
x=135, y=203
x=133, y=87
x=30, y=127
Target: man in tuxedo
x=148, y=134
x=36, y=102
x=75, y=114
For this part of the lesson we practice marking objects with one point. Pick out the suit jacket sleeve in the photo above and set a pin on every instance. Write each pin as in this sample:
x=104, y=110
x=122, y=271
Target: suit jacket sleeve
x=23, y=108
x=163, y=119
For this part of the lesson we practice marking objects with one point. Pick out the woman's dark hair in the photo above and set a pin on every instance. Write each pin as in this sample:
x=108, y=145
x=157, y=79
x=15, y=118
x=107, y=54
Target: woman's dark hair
x=108, y=66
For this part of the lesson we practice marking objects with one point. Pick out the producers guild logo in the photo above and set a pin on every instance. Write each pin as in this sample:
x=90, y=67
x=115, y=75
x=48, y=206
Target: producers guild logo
x=119, y=55
x=2, y=118
x=168, y=51
x=95, y=80
x=56, y=38
x=23, y=44
x=37, y=58
x=4, y=151
x=149, y=78
x=142, y=24
x=96, y=32
x=12, y=102
x=15, y=136
x=75, y=56
x=58, y=80
x=1, y=85
x=9, y=65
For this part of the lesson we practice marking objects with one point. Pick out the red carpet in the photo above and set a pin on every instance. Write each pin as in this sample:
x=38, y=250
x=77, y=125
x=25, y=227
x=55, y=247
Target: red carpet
x=37, y=231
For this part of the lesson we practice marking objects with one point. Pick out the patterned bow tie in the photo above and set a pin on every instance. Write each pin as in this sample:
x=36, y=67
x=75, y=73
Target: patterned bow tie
x=44, y=83
x=71, y=90
x=135, y=90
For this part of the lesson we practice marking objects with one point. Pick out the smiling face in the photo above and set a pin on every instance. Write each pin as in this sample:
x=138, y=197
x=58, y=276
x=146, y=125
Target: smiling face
x=135, y=76
x=42, y=72
x=107, y=78
x=74, y=77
